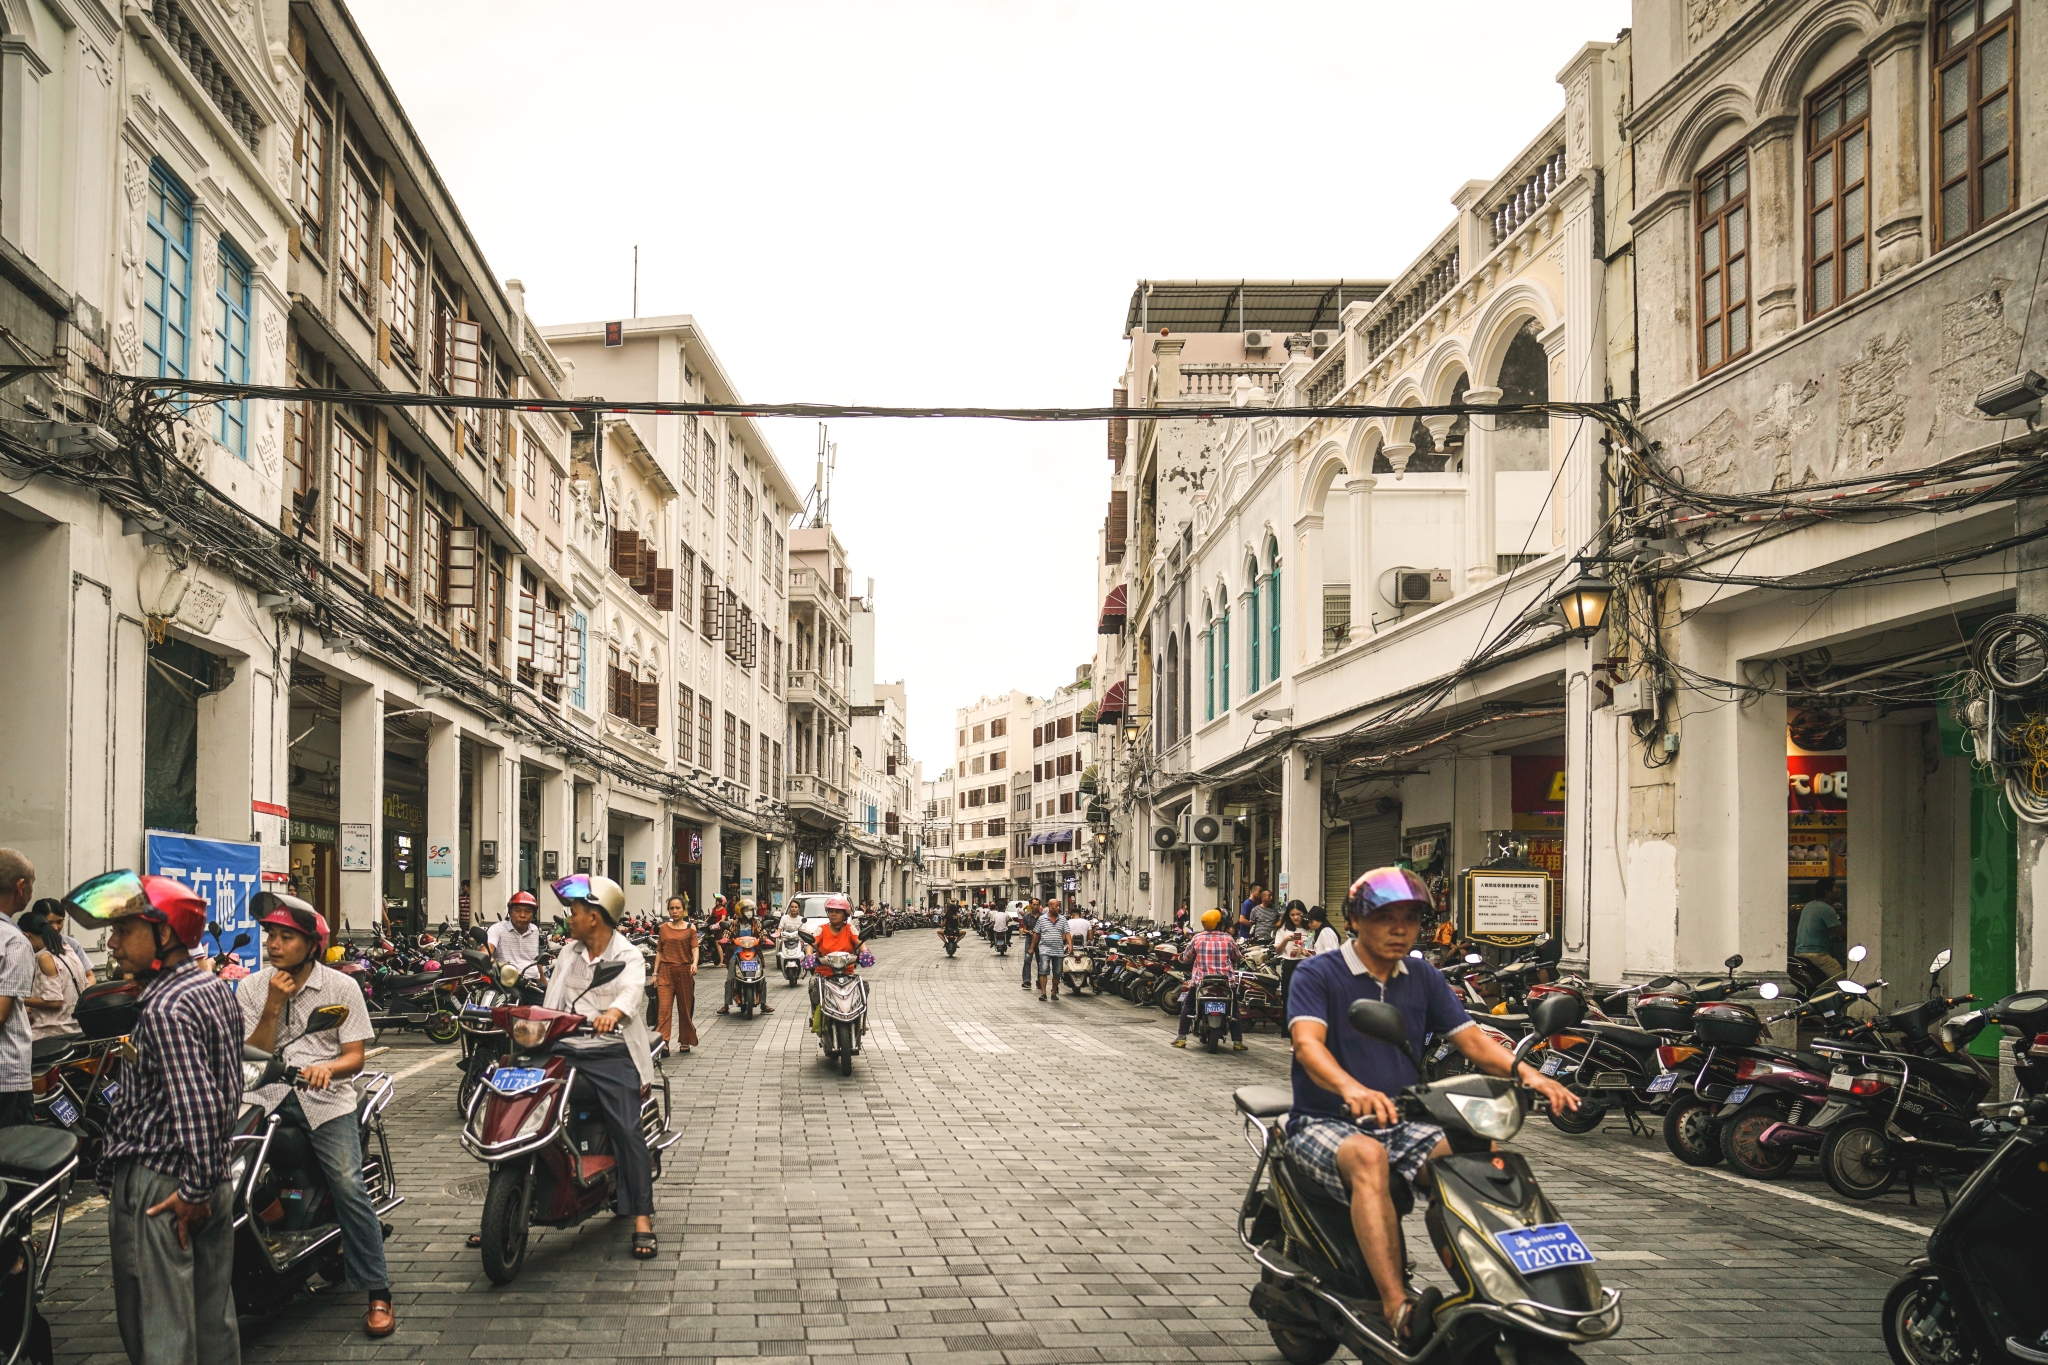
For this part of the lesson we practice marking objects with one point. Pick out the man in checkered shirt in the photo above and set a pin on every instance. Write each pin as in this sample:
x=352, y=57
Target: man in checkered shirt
x=1212, y=952
x=170, y=1217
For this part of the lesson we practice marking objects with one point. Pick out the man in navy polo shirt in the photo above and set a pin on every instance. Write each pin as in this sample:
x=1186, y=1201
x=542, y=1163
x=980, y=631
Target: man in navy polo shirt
x=1344, y=1128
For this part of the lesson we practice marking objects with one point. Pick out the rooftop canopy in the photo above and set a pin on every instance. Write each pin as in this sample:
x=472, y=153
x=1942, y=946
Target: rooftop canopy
x=1244, y=305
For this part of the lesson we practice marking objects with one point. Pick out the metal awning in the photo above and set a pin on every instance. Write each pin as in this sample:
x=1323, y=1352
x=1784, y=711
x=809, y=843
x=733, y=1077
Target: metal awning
x=1241, y=305
x=1112, y=707
x=1113, y=610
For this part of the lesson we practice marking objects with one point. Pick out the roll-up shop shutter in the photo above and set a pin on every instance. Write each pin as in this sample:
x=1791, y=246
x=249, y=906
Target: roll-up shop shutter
x=1375, y=842
x=1336, y=867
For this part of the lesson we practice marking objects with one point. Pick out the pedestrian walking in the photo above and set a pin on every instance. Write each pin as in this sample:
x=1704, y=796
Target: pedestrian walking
x=17, y=987
x=675, y=976
x=1049, y=946
x=171, y=1209
x=1029, y=926
x=1242, y=925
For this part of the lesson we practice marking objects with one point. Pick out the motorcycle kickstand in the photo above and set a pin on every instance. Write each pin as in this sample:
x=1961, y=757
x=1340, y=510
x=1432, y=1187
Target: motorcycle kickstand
x=1635, y=1121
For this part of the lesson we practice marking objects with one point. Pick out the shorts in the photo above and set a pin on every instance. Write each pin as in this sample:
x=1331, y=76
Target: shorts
x=1051, y=964
x=1313, y=1140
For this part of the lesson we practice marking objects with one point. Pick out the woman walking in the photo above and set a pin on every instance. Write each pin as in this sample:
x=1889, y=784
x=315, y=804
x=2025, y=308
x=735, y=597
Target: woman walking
x=675, y=975
x=1290, y=941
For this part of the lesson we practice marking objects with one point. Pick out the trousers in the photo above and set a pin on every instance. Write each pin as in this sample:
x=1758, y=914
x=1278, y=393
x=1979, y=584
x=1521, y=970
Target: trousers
x=616, y=1083
x=675, y=996
x=339, y=1145
x=176, y=1305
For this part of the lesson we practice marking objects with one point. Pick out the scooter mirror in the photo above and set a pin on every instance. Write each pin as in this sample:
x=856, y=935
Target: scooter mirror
x=1858, y=953
x=606, y=974
x=1852, y=987
x=1941, y=959
x=1732, y=963
x=242, y=939
x=327, y=1018
x=1542, y=939
x=1474, y=958
x=1769, y=990
x=1377, y=1019
x=1555, y=1013
x=212, y=929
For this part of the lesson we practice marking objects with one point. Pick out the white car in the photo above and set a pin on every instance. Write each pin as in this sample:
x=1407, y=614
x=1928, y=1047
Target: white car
x=811, y=905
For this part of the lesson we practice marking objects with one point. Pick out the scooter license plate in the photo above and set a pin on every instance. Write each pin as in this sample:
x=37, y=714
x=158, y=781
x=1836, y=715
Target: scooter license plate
x=1739, y=1094
x=1553, y=1064
x=510, y=1080
x=65, y=1111
x=109, y=1090
x=1662, y=1085
x=1549, y=1246
x=1214, y=1006
x=1442, y=1051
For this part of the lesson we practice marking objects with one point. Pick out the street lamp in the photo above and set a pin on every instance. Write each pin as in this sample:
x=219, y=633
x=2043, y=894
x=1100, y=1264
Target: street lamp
x=1583, y=604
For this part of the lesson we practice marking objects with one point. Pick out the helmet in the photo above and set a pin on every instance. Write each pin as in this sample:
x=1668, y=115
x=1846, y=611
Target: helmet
x=289, y=912
x=99, y=901
x=746, y=905
x=838, y=903
x=1211, y=918
x=522, y=898
x=1385, y=887
x=334, y=955
x=601, y=894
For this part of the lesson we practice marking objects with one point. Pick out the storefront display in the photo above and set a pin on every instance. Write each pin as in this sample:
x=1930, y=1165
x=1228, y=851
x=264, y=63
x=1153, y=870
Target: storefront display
x=1817, y=808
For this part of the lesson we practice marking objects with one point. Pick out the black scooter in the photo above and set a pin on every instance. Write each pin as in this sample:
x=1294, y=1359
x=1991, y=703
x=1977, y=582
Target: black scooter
x=1976, y=1295
x=1526, y=1287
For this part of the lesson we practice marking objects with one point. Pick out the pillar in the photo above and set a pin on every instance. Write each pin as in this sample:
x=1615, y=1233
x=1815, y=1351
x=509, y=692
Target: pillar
x=1301, y=829
x=1774, y=225
x=750, y=852
x=708, y=868
x=558, y=828
x=497, y=819
x=2029, y=935
x=1364, y=580
x=21, y=143
x=444, y=819
x=361, y=804
x=1308, y=592
x=1481, y=556
x=227, y=751
x=1898, y=104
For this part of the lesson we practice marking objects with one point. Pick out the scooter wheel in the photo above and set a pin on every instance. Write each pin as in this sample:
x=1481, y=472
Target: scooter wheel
x=443, y=1028
x=1691, y=1133
x=1302, y=1347
x=504, y=1224
x=1211, y=1041
x=1739, y=1133
x=1585, y=1119
x=1856, y=1157
x=1921, y=1325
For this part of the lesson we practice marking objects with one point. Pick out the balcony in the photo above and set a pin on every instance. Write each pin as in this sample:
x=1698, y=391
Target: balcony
x=811, y=795
x=810, y=687
x=808, y=587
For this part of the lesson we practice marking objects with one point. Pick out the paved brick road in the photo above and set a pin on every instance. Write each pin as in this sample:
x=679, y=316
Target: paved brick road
x=1008, y=1182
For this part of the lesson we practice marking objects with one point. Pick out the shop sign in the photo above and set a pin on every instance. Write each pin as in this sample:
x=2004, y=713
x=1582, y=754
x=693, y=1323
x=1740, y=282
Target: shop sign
x=1547, y=852
x=268, y=822
x=226, y=874
x=440, y=860
x=403, y=811
x=693, y=846
x=1816, y=782
x=313, y=832
x=1507, y=903
x=357, y=848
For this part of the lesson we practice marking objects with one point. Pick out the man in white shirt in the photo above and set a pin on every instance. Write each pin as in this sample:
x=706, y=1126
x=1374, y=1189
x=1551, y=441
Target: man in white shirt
x=1078, y=926
x=618, y=1074
x=516, y=939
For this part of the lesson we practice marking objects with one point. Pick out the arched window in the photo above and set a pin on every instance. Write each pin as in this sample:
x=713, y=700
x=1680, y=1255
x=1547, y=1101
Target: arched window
x=1272, y=609
x=1251, y=634
x=1208, y=661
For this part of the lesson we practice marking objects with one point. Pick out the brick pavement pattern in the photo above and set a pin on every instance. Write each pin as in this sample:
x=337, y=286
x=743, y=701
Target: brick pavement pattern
x=1005, y=1182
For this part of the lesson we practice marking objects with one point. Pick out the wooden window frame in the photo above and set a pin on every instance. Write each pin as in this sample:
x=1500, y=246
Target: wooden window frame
x=704, y=732
x=301, y=458
x=309, y=154
x=1841, y=191
x=732, y=742
x=1714, y=281
x=352, y=459
x=433, y=560
x=167, y=299
x=686, y=723
x=235, y=299
x=358, y=231
x=408, y=284
x=400, y=509
x=1969, y=53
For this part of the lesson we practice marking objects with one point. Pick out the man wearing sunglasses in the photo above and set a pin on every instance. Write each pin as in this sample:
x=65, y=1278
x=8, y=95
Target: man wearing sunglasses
x=277, y=1002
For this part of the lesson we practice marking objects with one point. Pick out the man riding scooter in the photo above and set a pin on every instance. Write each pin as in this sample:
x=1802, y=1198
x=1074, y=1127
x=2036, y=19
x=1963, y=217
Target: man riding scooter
x=1344, y=1126
x=276, y=1004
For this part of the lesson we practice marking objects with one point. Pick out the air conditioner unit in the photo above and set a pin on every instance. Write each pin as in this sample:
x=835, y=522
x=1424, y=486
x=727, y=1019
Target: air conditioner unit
x=1165, y=837
x=1256, y=341
x=1214, y=830
x=1420, y=587
x=1322, y=341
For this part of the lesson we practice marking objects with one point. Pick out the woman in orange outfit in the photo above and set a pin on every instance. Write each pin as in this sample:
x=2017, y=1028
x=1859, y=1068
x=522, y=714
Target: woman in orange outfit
x=675, y=975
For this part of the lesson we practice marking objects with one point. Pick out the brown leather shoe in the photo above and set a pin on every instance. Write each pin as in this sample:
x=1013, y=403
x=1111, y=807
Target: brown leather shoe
x=379, y=1322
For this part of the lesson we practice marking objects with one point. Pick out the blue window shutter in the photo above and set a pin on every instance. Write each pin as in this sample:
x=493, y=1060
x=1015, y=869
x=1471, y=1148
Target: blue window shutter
x=580, y=695
x=167, y=276
x=231, y=347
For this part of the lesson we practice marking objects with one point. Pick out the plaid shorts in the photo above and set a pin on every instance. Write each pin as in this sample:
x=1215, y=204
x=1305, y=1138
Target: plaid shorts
x=1313, y=1140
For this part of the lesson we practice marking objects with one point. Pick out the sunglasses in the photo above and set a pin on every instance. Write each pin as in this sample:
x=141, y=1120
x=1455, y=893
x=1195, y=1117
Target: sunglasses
x=109, y=896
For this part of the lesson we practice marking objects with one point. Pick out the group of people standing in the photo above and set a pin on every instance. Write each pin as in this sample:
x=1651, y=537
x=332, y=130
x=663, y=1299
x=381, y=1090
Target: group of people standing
x=1297, y=934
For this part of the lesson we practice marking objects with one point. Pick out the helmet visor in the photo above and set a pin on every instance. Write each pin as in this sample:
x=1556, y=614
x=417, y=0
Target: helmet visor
x=106, y=898
x=571, y=889
x=1384, y=887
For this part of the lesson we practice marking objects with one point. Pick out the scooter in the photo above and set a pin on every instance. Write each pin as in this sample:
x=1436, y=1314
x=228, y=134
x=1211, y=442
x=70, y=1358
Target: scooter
x=285, y=1224
x=37, y=1166
x=1078, y=972
x=1215, y=1007
x=840, y=997
x=952, y=938
x=483, y=1043
x=1526, y=1288
x=998, y=938
x=789, y=955
x=541, y=1133
x=750, y=981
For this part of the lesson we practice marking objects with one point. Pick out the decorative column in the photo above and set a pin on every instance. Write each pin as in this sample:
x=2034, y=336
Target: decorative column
x=1397, y=455
x=713, y=859
x=1364, y=589
x=1308, y=588
x=444, y=819
x=1482, y=560
x=1898, y=102
x=227, y=752
x=1774, y=227
x=1301, y=830
x=361, y=803
x=497, y=821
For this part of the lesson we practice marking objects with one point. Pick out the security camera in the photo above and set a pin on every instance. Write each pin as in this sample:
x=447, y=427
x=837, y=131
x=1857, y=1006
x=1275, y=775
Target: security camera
x=2019, y=396
x=1277, y=713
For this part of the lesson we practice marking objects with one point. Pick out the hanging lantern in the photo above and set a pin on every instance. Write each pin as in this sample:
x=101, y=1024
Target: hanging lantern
x=1583, y=604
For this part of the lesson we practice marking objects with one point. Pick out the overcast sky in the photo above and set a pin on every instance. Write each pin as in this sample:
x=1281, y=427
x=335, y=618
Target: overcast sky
x=949, y=203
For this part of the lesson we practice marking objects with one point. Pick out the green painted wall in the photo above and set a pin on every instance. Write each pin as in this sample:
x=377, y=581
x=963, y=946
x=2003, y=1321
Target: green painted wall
x=1994, y=899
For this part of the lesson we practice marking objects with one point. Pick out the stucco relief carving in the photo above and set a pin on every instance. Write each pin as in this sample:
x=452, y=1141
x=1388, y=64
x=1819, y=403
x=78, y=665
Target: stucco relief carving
x=273, y=332
x=1871, y=411
x=127, y=343
x=1577, y=132
x=1709, y=455
x=1977, y=350
x=1776, y=428
x=1702, y=17
x=266, y=454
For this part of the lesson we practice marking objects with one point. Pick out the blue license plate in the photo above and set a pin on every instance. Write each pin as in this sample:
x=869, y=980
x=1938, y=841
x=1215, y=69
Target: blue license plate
x=510, y=1080
x=109, y=1090
x=1442, y=1051
x=1214, y=1006
x=1550, y=1246
x=65, y=1110
x=1739, y=1093
x=1554, y=1063
x=1661, y=1085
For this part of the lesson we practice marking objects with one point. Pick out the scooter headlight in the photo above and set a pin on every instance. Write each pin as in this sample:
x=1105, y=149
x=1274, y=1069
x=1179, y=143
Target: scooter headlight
x=1492, y=1277
x=1490, y=1116
x=536, y=1118
x=529, y=1033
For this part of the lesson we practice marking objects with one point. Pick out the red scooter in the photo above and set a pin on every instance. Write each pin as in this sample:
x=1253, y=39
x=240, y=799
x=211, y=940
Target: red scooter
x=543, y=1136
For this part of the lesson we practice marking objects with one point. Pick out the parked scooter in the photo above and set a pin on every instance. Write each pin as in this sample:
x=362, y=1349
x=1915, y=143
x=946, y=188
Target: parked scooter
x=839, y=996
x=1077, y=972
x=285, y=1223
x=547, y=1146
x=1633, y=1067
x=37, y=1166
x=1526, y=1287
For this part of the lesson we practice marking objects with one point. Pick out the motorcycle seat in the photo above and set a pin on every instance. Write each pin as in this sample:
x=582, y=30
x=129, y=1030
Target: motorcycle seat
x=408, y=980
x=32, y=1153
x=1621, y=1035
x=1264, y=1101
x=45, y=1052
x=591, y=1165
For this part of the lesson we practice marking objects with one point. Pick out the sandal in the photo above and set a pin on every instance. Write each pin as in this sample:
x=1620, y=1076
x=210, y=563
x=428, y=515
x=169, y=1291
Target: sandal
x=476, y=1239
x=725, y=1009
x=1415, y=1322
x=644, y=1246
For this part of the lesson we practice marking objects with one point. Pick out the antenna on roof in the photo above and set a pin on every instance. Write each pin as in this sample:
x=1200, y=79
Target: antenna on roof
x=818, y=506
